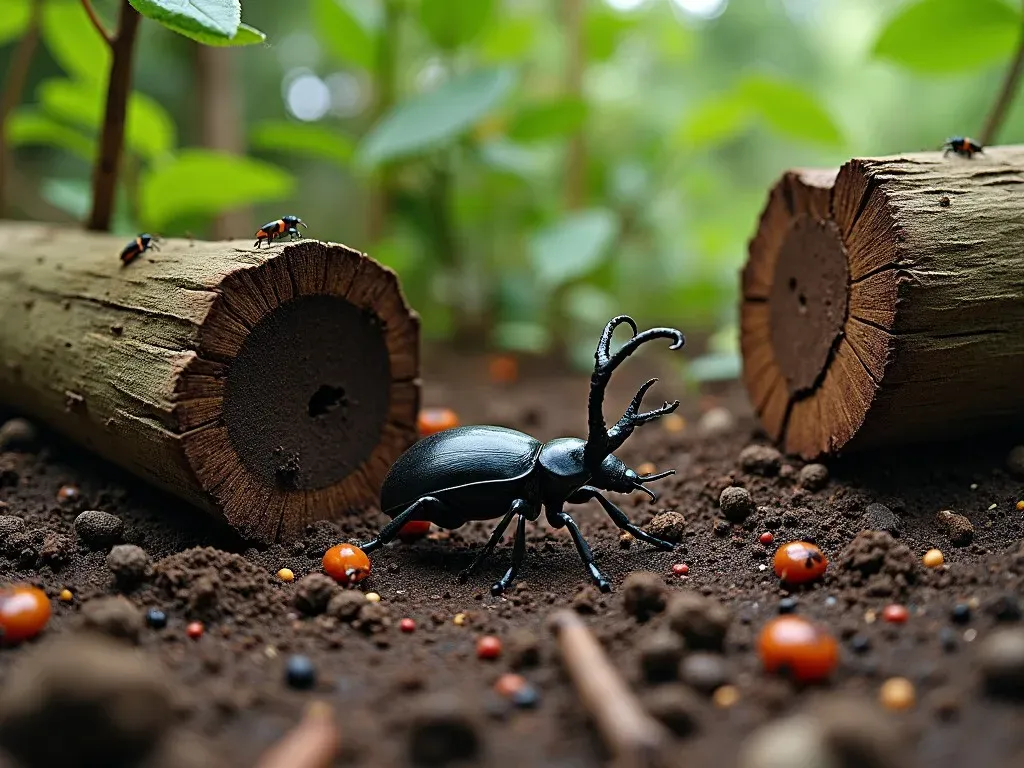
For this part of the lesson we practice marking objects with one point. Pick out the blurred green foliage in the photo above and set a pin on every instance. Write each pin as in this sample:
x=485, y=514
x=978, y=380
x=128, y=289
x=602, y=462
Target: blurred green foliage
x=527, y=170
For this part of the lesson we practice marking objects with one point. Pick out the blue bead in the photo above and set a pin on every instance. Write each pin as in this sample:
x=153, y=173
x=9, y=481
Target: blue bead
x=300, y=672
x=156, y=618
x=526, y=697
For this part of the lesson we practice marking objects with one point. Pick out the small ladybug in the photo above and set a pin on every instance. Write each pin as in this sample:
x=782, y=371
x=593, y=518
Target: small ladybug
x=963, y=146
x=137, y=247
x=286, y=225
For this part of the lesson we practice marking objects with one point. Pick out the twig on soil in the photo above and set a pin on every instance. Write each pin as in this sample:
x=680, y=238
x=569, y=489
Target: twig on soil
x=313, y=743
x=96, y=22
x=1006, y=95
x=14, y=86
x=633, y=737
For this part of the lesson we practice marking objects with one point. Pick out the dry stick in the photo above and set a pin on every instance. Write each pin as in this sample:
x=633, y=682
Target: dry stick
x=104, y=183
x=313, y=743
x=633, y=737
x=14, y=86
x=1006, y=95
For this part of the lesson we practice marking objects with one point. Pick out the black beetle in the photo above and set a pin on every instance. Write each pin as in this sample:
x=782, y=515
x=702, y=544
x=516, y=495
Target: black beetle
x=476, y=473
x=137, y=247
x=963, y=146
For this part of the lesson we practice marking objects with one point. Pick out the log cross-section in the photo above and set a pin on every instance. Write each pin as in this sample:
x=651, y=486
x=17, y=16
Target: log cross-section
x=884, y=304
x=273, y=387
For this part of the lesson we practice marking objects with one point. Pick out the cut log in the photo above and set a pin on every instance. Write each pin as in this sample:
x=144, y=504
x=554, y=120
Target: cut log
x=273, y=387
x=884, y=304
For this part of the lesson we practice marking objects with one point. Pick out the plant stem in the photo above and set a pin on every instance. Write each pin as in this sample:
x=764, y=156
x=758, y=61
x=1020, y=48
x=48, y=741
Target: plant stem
x=385, y=86
x=104, y=182
x=14, y=87
x=96, y=22
x=1006, y=95
x=576, y=156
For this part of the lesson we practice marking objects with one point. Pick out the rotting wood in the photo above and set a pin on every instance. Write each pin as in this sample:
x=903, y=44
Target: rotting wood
x=273, y=387
x=926, y=252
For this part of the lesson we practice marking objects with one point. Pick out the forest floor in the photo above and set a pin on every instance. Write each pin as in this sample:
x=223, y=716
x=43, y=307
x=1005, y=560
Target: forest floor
x=227, y=691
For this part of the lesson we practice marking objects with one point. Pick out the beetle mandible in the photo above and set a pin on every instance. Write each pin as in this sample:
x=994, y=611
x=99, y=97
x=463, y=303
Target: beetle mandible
x=480, y=472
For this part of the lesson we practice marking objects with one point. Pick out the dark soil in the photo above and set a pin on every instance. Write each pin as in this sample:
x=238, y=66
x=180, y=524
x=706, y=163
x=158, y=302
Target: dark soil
x=425, y=695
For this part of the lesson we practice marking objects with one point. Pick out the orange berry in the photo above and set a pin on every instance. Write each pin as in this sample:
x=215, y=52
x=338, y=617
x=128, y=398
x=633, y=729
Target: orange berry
x=488, y=647
x=413, y=530
x=895, y=614
x=793, y=645
x=799, y=561
x=433, y=420
x=24, y=612
x=508, y=684
x=67, y=493
x=1020, y=506
x=66, y=596
x=503, y=369
x=680, y=569
x=346, y=564
x=195, y=630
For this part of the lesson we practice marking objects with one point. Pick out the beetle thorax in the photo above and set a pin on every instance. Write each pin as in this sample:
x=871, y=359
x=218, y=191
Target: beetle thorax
x=562, y=468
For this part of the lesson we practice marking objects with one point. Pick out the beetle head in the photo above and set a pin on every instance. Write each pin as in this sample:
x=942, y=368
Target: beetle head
x=292, y=221
x=614, y=475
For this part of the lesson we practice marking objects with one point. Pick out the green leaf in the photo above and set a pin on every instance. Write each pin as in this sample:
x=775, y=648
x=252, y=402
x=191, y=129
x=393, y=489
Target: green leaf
x=29, y=127
x=344, y=36
x=211, y=18
x=452, y=23
x=149, y=130
x=73, y=41
x=604, y=30
x=790, y=110
x=551, y=120
x=509, y=40
x=245, y=35
x=941, y=36
x=572, y=247
x=199, y=182
x=522, y=337
x=439, y=116
x=308, y=139
x=714, y=122
x=14, y=19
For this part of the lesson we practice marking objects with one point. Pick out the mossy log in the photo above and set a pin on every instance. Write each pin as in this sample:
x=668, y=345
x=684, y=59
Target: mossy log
x=272, y=387
x=884, y=304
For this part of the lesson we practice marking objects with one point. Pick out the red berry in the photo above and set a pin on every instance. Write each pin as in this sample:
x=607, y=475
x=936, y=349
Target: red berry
x=766, y=538
x=195, y=630
x=24, y=613
x=794, y=645
x=407, y=625
x=680, y=569
x=508, y=684
x=799, y=561
x=503, y=369
x=414, y=530
x=895, y=614
x=346, y=564
x=488, y=647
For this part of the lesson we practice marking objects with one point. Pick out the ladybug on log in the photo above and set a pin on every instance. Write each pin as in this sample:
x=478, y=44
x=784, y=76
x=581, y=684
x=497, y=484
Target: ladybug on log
x=137, y=247
x=286, y=225
x=963, y=146
x=482, y=472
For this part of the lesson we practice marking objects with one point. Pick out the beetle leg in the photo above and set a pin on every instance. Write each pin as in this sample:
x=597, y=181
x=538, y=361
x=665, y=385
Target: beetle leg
x=389, y=531
x=515, y=509
x=518, y=553
x=618, y=517
x=584, y=549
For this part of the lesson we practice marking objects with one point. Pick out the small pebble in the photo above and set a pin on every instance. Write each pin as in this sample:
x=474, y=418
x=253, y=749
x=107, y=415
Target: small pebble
x=195, y=630
x=314, y=592
x=488, y=648
x=66, y=596
x=725, y=696
x=961, y=613
x=1015, y=461
x=115, y=617
x=947, y=639
x=372, y=597
x=129, y=564
x=813, y=477
x=17, y=435
x=766, y=538
x=1001, y=658
x=300, y=673
x=761, y=460
x=97, y=529
x=643, y=594
x=680, y=569
x=701, y=621
x=676, y=706
x=958, y=528
x=895, y=614
x=673, y=423
x=346, y=605
x=286, y=575
x=898, y=694
x=407, y=625
x=715, y=422
x=660, y=655
x=878, y=517
x=860, y=643
x=668, y=525
x=933, y=558
x=704, y=672
x=526, y=697
x=523, y=648
x=788, y=605
x=156, y=618
x=736, y=503
x=970, y=635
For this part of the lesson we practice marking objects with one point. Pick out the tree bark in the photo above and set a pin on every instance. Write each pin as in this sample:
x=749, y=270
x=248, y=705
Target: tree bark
x=885, y=304
x=273, y=387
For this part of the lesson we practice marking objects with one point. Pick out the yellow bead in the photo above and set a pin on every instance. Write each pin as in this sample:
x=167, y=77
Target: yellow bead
x=933, y=558
x=372, y=597
x=1020, y=506
x=286, y=574
x=460, y=619
x=897, y=693
x=66, y=596
x=673, y=422
x=726, y=696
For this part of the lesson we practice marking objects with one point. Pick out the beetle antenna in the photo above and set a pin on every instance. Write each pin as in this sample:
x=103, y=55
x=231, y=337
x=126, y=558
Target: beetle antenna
x=600, y=440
